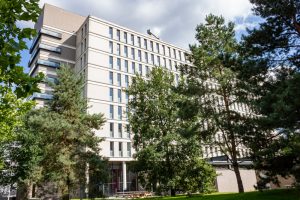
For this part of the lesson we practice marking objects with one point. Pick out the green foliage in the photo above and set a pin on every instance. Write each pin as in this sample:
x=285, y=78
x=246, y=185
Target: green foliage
x=275, y=45
x=214, y=89
x=164, y=155
x=15, y=85
x=60, y=138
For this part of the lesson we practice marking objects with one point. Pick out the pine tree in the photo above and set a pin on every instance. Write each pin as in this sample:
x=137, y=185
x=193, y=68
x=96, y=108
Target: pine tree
x=214, y=91
x=64, y=136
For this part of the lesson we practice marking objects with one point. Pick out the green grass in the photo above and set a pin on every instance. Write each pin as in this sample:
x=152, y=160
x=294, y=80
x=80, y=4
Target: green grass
x=283, y=194
x=266, y=195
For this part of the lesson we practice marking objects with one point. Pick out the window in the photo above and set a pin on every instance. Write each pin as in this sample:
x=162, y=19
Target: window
x=118, y=63
x=81, y=47
x=85, y=29
x=132, y=39
x=139, y=41
x=111, y=32
x=164, y=49
x=169, y=50
x=85, y=44
x=84, y=59
x=119, y=95
x=126, y=81
x=111, y=48
x=111, y=148
x=152, y=59
x=111, y=62
x=81, y=32
x=157, y=47
x=128, y=149
x=179, y=55
x=132, y=53
x=119, y=79
x=158, y=60
x=151, y=45
x=111, y=94
x=139, y=55
x=165, y=62
x=140, y=69
x=145, y=43
x=177, y=78
x=126, y=65
x=111, y=78
x=125, y=37
x=175, y=66
x=126, y=97
x=147, y=70
x=111, y=129
x=125, y=51
x=111, y=111
x=81, y=64
x=119, y=113
x=170, y=64
x=118, y=49
x=120, y=149
x=128, y=130
x=174, y=52
x=146, y=57
x=118, y=35
x=120, y=130
x=133, y=68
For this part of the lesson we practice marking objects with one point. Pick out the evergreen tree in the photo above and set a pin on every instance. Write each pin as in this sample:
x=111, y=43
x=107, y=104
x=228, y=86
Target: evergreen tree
x=214, y=91
x=62, y=138
x=275, y=82
x=166, y=153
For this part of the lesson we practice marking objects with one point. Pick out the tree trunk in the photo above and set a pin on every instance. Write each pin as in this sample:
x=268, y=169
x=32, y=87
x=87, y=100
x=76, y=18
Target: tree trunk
x=238, y=176
x=173, y=192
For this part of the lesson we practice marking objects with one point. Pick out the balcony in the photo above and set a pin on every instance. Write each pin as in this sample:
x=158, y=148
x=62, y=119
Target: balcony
x=48, y=63
x=44, y=96
x=45, y=32
x=44, y=47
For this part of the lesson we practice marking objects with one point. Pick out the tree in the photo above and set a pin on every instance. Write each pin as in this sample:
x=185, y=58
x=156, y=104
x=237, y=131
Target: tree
x=275, y=44
x=214, y=91
x=64, y=140
x=166, y=154
x=15, y=85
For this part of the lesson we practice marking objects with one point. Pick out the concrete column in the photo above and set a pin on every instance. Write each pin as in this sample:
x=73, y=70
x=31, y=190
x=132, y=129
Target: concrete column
x=124, y=175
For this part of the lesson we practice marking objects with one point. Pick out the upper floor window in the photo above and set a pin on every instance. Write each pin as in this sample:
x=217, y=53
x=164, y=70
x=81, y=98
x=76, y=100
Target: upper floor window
x=118, y=35
x=125, y=37
x=174, y=52
x=151, y=45
x=146, y=57
x=111, y=129
x=119, y=79
x=132, y=53
x=119, y=63
x=169, y=50
x=152, y=59
x=111, y=62
x=132, y=39
x=126, y=66
x=140, y=69
x=119, y=112
x=111, y=78
x=139, y=41
x=164, y=49
x=133, y=68
x=158, y=60
x=139, y=55
x=125, y=51
x=118, y=49
x=111, y=48
x=119, y=95
x=126, y=81
x=111, y=94
x=111, y=111
x=111, y=32
x=145, y=43
x=157, y=47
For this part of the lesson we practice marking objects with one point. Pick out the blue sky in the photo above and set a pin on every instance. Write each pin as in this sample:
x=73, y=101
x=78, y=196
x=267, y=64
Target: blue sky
x=173, y=21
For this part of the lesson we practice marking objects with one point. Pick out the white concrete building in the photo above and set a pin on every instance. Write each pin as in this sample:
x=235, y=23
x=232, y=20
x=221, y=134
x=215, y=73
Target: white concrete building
x=108, y=55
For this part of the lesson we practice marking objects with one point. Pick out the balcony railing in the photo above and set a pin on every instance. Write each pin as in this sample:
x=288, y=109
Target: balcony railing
x=48, y=63
x=45, y=32
x=37, y=95
x=45, y=47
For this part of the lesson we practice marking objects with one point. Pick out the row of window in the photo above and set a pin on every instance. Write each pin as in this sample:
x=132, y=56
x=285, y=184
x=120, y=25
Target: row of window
x=120, y=112
x=120, y=149
x=215, y=151
x=119, y=95
x=126, y=78
x=147, y=44
x=121, y=133
x=123, y=65
x=142, y=56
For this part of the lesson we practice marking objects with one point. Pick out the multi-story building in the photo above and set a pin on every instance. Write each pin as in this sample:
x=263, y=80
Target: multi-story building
x=108, y=56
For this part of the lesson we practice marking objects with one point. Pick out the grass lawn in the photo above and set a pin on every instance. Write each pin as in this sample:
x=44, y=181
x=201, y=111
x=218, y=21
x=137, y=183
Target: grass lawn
x=266, y=195
x=283, y=194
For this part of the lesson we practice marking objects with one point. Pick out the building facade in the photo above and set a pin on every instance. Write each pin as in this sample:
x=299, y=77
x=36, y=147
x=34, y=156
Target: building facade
x=108, y=56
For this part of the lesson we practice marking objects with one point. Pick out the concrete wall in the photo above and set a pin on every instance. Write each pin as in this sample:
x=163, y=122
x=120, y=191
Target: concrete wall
x=226, y=180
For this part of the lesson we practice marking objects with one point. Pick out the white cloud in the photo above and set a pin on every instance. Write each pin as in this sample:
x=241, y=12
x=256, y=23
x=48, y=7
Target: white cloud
x=173, y=21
